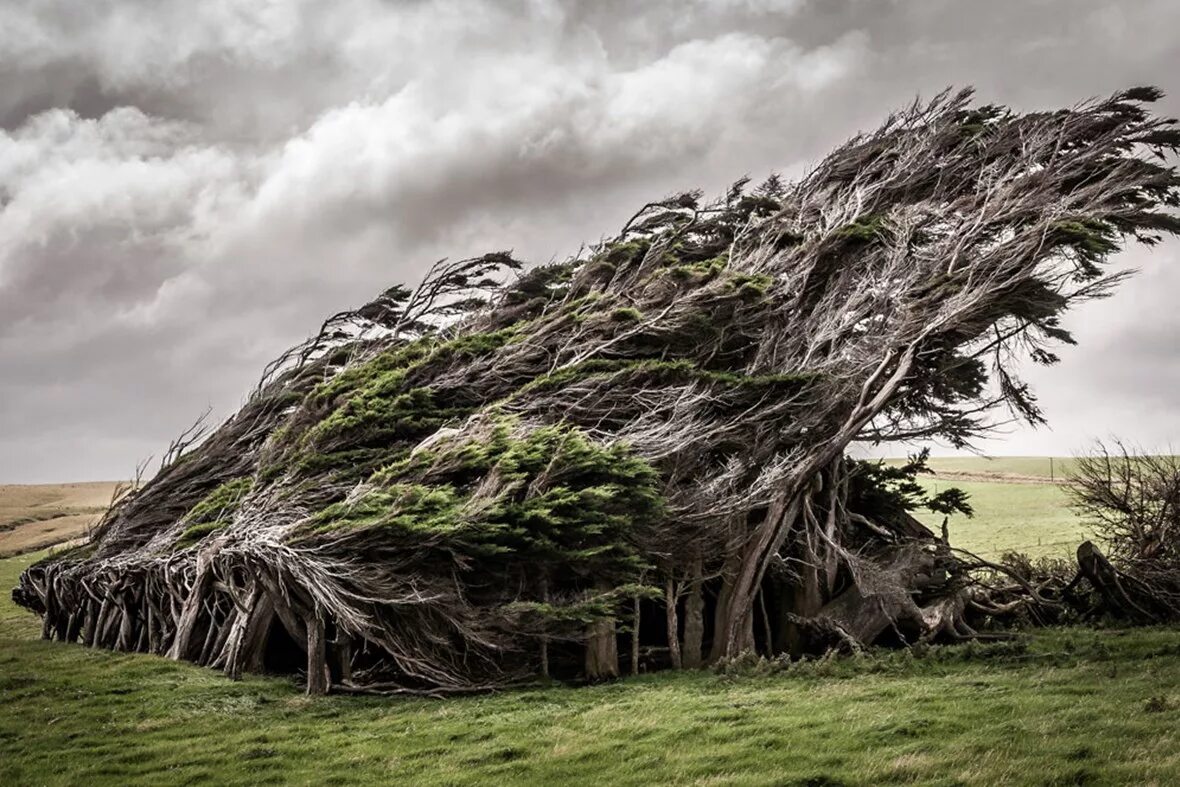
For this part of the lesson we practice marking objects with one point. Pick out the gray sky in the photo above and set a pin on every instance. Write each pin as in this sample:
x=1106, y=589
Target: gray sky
x=188, y=188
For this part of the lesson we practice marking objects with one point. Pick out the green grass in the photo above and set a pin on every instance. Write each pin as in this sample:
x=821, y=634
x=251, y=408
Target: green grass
x=1076, y=707
x=1031, y=518
x=1019, y=501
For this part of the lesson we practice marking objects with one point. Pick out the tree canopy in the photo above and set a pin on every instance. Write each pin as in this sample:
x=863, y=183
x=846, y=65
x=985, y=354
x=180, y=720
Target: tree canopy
x=455, y=485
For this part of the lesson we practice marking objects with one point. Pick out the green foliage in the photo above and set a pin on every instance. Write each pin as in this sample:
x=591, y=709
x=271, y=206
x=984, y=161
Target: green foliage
x=887, y=491
x=408, y=509
x=700, y=272
x=626, y=314
x=374, y=412
x=626, y=252
x=1092, y=241
x=214, y=511
x=734, y=387
x=585, y=610
x=195, y=533
x=864, y=230
x=546, y=498
x=387, y=371
x=748, y=285
x=975, y=122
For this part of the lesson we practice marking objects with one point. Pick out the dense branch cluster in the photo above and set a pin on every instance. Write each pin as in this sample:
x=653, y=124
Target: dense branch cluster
x=473, y=483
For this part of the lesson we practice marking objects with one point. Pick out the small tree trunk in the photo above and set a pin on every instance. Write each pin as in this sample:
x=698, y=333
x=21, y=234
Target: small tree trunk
x=602, y=651
x=100, y=621
x=343, y=652
x=75, y=625
x=153, y=628
x=317, y=663
x=125, y=642
x=247, y=640
x=767, y=632
x=182, y=645
x=694, y=619
x=725, y=608
x=804, y=599
x=544, y=638
x=50, y=611
x=635, y=636
x=90, y=622
x=670, y=600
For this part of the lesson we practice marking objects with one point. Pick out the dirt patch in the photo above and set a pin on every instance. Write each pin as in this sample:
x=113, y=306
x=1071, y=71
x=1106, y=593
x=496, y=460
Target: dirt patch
x=1000, y=478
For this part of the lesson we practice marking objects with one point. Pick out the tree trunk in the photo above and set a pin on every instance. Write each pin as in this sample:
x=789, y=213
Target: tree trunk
x=317, y=663
x=187, y=623
x=343, y=653
x=635, y=636
x=803, y=600
x=733, y=632
x=50, y=611
x=1105, y=579
x=544, y=638
x=864, y=613
x=247, y=640
x=673, y=624
x=602, y=650
x=694, y=619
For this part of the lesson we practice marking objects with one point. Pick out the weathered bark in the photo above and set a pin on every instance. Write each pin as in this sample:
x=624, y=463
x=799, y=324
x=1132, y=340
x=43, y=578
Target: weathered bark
x=247, y=640
x=318, y=677
x=673, y=624
x=635, y=636
x=48, y=615
x=74, y=626
x=734, y=632
x=187, y=622
x=602, y=650
x=874, y=603
x=733, y=622
x=544, y=638
x=296, y=630
x=100, y=620
x=1114, y=590
x=802, y=600
x=89, y=622
x=343, y=657
x=694, y=619
x=126, y=630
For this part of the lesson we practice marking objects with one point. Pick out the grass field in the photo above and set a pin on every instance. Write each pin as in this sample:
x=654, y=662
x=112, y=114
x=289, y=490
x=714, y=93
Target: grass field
x=1019, y=501
x=1025, y=517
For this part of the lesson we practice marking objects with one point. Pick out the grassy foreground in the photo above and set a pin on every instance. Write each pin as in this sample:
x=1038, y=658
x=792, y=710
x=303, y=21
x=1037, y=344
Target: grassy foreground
x=1073, y=707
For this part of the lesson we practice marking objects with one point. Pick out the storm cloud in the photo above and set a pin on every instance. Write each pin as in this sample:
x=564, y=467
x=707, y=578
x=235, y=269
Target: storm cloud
x=188, y=188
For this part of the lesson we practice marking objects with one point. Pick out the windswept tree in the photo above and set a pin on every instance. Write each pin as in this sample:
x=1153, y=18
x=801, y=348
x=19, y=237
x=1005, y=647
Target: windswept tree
x=468, y=484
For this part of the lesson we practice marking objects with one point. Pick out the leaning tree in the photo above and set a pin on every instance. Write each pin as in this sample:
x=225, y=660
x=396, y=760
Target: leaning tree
x=472, y=483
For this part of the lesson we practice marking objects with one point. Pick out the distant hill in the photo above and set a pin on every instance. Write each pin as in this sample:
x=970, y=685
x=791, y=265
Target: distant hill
x=35, y=516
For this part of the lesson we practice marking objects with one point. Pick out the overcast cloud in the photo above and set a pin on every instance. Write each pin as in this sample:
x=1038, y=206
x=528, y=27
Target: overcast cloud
x=188, y=188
